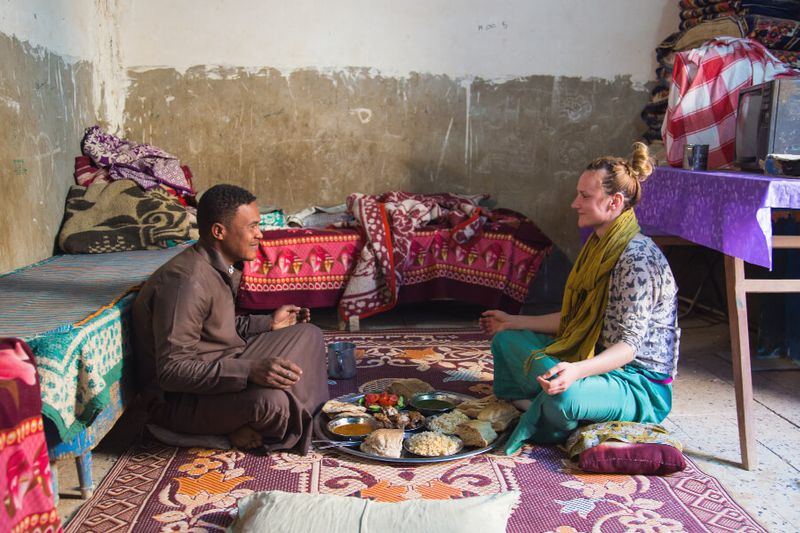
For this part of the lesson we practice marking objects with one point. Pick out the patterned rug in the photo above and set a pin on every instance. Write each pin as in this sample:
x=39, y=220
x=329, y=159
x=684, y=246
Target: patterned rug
x=159, y=488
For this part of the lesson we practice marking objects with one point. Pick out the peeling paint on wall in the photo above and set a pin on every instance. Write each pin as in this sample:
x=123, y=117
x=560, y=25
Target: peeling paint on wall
x=110, y=82
x=45, y=104
x=312, y=137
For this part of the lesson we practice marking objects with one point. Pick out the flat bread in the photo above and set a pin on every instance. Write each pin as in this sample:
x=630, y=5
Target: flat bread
x=408, y=387
x=500, y=414
x=471, y=408
x=478, y=433
x=384, y=442
x=336, y=408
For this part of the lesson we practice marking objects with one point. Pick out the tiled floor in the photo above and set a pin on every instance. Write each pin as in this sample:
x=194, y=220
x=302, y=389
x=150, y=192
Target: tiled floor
x=703, y=416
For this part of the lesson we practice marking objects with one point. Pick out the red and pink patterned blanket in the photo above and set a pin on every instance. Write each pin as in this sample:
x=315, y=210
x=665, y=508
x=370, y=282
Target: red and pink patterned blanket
x=26, y=494
x=477, y=257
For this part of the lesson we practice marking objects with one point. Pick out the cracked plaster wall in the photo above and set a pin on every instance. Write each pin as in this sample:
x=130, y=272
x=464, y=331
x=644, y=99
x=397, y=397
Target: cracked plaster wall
x=312, y=138
x=319, y=100
x=61, y=72
x=45, y=103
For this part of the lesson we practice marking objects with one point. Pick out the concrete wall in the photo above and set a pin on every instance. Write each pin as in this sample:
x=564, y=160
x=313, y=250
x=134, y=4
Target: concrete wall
x=307, y=102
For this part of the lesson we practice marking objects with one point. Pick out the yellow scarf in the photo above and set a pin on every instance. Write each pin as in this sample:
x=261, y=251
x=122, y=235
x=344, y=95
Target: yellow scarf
x=586, y=293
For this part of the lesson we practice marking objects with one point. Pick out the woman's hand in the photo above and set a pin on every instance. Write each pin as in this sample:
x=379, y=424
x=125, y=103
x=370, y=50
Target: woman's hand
x=289, y=315
x=559, y=378
x=495, y=321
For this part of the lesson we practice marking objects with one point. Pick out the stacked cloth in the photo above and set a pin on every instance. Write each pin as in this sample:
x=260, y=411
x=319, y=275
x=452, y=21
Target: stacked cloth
x=145, y=164
x=694, y=12
x=127, y=196
x=704, y=95
x=653, y=113
x=772, y=23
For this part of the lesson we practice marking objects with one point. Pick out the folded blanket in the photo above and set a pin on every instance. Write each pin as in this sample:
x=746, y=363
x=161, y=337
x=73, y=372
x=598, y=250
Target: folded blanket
x=118, y=216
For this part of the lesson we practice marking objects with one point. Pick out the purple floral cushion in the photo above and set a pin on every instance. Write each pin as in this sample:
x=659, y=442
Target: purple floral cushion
x=632, y=458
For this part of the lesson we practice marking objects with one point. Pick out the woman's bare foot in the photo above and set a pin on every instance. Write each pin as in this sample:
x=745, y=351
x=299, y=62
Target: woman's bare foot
x=522, y=405
x=245, y=438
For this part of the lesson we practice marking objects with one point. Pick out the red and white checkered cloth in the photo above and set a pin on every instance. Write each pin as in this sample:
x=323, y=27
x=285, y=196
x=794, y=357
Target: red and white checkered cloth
x=704, y=95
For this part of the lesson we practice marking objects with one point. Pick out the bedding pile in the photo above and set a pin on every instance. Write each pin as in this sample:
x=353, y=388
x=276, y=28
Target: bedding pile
x=127, y=196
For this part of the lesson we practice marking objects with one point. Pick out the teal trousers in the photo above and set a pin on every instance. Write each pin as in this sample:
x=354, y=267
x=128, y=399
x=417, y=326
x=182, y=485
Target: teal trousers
x=629, y=393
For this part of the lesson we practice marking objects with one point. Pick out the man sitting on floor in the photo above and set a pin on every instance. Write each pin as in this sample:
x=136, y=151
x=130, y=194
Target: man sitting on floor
x=258, y=379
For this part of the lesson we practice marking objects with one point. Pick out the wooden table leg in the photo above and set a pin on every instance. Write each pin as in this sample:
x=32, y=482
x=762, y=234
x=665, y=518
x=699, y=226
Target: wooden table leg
x=740, y=354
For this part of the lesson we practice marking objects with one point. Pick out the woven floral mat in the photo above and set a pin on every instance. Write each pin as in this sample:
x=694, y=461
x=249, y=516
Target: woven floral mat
x=154, y=487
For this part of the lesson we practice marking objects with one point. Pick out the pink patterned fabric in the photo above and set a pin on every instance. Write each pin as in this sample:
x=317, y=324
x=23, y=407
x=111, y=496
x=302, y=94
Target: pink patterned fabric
x=26, y=496
x=145, y=164
x=704, y=95
x=307, y=267
x=87, y=173
x=311, y=267
x=389, y=222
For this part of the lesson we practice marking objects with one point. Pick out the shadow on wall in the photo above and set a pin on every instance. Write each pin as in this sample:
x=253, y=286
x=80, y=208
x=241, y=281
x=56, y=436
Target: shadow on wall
x=547, y=289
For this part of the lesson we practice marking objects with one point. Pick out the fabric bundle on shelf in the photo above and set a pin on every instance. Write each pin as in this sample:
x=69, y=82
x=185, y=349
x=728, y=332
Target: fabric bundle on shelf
x=654, y=112
x=773, y=23
x=705, y=91
x=694, y=12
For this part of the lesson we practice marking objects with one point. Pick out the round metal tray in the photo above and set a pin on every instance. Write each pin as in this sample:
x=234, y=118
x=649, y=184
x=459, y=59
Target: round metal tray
x=350, y=447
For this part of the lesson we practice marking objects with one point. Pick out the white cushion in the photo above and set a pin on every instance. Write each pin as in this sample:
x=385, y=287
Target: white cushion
x=285, y=512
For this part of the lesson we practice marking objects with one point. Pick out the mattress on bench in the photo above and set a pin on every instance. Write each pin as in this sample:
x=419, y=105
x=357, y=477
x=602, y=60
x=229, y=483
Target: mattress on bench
x=73, y=311
x=311, y=267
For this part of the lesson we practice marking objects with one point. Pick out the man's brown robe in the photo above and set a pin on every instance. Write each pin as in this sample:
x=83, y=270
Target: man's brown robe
x=194, y=356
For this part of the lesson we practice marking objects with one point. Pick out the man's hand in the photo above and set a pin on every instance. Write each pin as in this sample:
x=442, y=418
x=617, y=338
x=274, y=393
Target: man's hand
x=289, y=315
x=494, y=321
x=276, y=373
x=565, y=375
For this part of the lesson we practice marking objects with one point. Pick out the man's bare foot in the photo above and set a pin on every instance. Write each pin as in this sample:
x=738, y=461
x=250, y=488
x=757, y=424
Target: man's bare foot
x=245, y=438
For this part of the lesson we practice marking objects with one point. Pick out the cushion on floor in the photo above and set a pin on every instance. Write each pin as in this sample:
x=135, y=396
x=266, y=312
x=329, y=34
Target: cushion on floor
x=290, y=512
x=214, y=442
x=632, y=458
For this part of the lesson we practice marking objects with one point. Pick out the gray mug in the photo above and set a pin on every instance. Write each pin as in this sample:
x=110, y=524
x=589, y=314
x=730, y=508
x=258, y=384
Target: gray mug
x=341, y=360
x=695, y=156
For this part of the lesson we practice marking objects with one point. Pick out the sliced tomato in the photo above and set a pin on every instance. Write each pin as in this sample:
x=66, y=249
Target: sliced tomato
x=370, y=399
x=393, y=399
x=385, y=400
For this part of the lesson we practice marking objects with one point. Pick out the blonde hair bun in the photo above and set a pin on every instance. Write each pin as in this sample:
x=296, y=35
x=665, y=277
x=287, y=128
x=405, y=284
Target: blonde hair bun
x=641, y=163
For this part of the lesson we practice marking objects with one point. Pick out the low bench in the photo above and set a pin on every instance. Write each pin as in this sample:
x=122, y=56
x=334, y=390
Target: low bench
x=74, y=313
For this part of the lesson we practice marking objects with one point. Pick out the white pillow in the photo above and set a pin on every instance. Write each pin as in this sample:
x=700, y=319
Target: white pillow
x=286, y=512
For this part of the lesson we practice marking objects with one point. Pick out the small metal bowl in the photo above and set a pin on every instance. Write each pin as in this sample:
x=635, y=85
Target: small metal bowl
x=422, y=402
x=339, y=423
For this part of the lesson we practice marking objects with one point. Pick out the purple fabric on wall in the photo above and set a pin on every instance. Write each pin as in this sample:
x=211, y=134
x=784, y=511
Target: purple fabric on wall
x=725, y=211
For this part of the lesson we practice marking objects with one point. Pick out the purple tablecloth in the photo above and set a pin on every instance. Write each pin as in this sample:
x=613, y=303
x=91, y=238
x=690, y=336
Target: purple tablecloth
x=725, y=211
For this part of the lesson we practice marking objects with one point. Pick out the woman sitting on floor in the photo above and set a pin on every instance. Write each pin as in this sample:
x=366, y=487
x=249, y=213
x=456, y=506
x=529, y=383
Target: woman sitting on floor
x=616, y=346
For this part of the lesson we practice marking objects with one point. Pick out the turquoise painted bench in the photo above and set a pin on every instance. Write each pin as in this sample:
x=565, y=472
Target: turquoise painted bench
x=74, y=313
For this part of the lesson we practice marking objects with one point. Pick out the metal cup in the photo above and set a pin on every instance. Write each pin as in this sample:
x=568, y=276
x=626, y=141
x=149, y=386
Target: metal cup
x=695, y=156
x=341, y=360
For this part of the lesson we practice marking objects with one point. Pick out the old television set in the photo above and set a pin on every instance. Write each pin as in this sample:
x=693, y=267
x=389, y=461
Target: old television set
x=767, y=122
